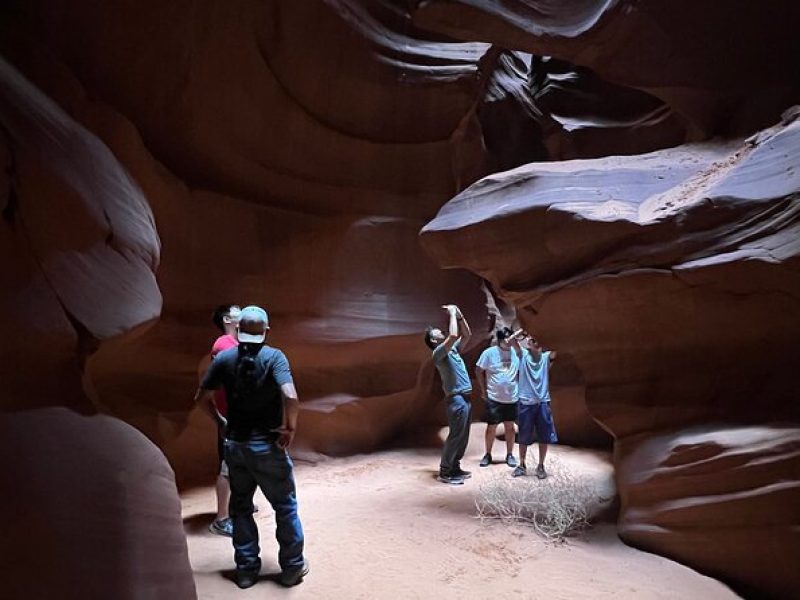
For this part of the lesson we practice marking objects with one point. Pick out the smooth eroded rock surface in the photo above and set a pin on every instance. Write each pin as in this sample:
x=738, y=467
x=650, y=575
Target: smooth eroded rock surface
x=287, y=153
x=92, y=511
x=694, y=495
x=92, y=508
x=672, y=280
x=724, y=70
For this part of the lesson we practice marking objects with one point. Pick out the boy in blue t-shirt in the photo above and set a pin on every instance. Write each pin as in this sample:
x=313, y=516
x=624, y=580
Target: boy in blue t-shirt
x=534, y=418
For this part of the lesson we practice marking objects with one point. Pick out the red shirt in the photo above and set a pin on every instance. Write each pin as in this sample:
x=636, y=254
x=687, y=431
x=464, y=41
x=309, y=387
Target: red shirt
x=223, y=342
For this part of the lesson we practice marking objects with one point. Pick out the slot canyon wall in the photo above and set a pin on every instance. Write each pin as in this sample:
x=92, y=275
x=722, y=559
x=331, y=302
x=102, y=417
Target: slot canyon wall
x=161, y=159
x=670, y=278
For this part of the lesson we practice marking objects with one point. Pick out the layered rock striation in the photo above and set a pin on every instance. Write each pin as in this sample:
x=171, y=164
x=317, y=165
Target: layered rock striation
x=92, y=506
x=671, y=280
x=159, y=160
x=730, y=70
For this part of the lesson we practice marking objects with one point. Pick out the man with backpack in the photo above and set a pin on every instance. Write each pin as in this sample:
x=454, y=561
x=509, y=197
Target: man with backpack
x=260, y=425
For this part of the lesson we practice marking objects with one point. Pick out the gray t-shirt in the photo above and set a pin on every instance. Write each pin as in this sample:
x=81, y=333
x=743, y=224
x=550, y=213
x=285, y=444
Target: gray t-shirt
x=452, y=370
x=534, y=375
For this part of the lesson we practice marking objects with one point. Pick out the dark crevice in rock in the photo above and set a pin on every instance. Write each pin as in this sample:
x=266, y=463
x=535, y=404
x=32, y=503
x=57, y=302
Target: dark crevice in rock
x=11, y=205
x=87, y=344
x=9, y=201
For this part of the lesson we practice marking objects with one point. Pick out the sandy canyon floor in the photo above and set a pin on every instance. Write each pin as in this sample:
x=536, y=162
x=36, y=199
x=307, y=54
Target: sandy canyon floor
x=380, y=526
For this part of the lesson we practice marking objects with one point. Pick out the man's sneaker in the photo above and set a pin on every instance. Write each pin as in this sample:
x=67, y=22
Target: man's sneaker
x=540, y=472
x=511, y=461
x=245, y=579
x=462, y=473
x=293, y=576
x=451, y=479
x=486, y=460
x=520, y=471
x=222, y=527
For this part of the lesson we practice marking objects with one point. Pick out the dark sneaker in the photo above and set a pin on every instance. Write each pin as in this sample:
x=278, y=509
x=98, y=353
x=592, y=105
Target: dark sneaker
x=246, y=579
x=451, y=479
x=462, y=473
x=293, y=576
x=222, y=527
x=511, y=461
x=540, y=472
x=520, y=471
x=486, y=460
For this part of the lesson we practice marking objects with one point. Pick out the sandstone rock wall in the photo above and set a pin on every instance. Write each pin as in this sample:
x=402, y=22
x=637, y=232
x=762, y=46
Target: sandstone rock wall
x=287, y=153
x=671, y=280
x=91, y=504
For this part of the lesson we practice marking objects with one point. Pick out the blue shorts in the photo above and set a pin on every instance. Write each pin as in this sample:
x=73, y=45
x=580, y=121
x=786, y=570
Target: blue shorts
x=536, y=424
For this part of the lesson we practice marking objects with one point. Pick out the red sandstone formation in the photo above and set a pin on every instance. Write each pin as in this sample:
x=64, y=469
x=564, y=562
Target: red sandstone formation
x=274, y=176
x=728, y=69
x=287, y=153
x=80, y=250
x=721, y=498
x=672, y=276
x=91, y=511
x=264, y=191
x=671, y=280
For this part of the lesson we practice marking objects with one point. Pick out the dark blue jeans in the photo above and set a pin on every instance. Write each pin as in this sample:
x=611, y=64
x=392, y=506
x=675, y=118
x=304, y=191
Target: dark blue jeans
x=459, y=411
x=258, y=462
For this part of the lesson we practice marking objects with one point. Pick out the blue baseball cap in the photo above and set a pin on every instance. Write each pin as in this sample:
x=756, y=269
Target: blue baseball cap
x=253, y=325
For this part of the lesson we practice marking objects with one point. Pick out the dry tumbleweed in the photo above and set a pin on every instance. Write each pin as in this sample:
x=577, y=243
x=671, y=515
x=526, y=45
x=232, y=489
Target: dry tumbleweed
x=556, y=507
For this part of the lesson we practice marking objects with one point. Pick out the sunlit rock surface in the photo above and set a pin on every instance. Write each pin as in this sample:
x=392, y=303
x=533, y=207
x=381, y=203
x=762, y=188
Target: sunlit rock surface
x=716, y=497
x=671, y=280
x=723, y=70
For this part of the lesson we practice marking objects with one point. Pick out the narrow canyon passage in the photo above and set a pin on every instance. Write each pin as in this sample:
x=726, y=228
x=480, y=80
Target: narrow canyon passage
x=620, y=178
x=379, y=526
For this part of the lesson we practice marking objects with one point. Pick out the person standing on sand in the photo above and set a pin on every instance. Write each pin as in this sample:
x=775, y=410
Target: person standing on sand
x=226, y=319
x=260, y=425
x=535, y=418
x=496, y=375
x=457, y=388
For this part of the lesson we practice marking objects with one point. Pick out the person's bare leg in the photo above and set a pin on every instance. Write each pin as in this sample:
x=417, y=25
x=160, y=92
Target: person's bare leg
x=540, y=471
x=223, y=497
x=508, y=430
x=542, y=453
x=491, y=431
x=523, y=453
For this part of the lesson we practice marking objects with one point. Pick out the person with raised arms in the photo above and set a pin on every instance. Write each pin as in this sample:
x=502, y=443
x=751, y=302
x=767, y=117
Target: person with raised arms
x=534, y=418
x=496, y=374
x=457, y=389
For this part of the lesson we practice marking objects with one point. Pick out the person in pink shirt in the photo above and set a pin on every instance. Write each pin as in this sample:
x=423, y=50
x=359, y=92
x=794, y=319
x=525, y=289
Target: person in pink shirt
x=226, y=318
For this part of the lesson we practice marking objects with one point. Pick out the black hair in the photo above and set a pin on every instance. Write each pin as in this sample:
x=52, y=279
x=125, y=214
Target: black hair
x=222, y=311
x=504, y=333
x=428, y=341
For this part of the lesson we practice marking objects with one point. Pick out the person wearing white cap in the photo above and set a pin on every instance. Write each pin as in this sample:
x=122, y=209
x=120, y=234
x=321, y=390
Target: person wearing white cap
x=260, y=425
